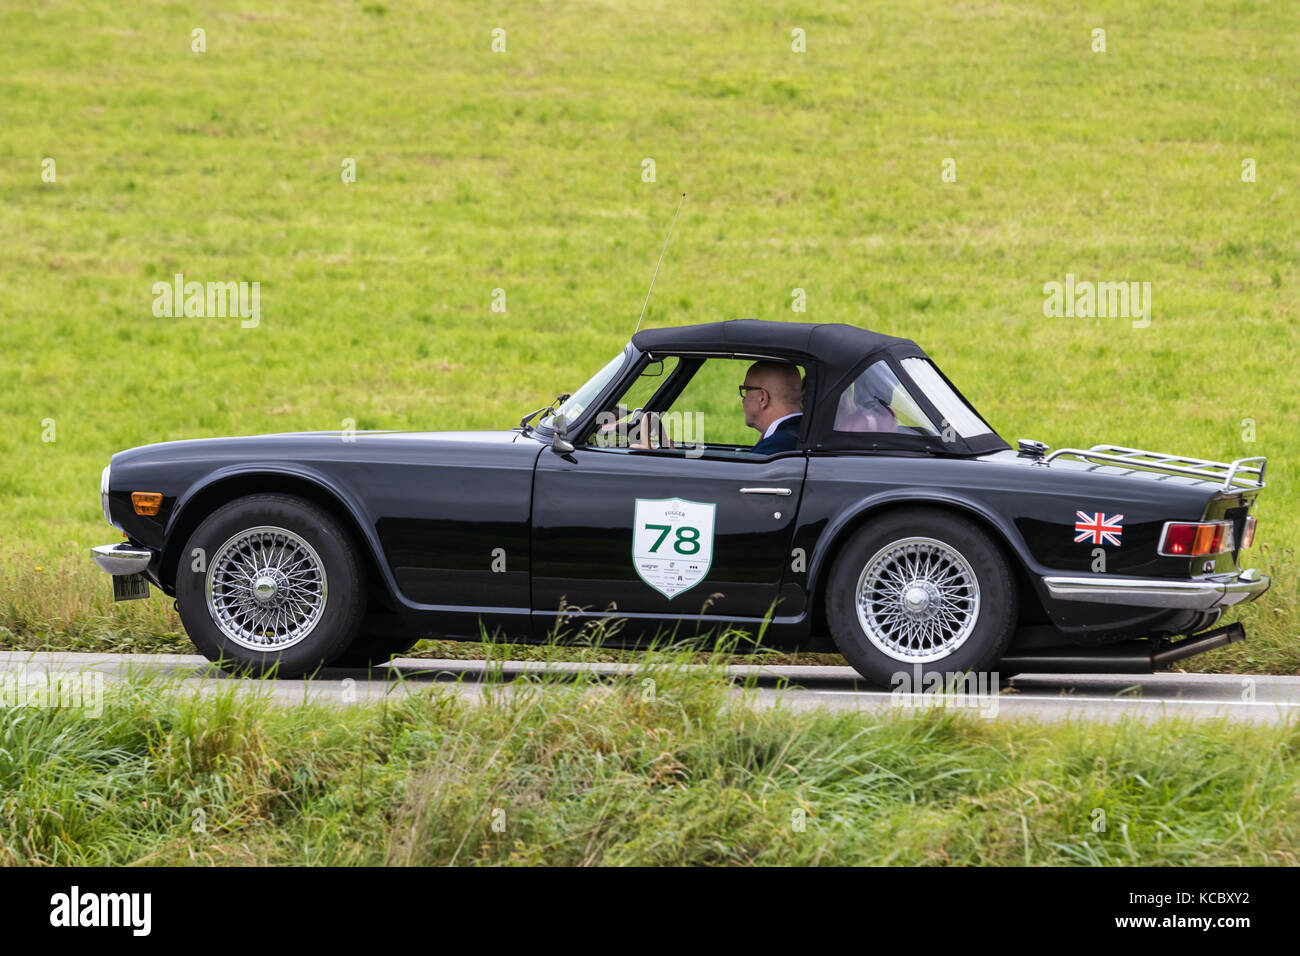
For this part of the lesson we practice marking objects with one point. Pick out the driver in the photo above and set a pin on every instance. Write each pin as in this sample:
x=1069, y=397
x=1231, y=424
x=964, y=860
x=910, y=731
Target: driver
x=772, y=399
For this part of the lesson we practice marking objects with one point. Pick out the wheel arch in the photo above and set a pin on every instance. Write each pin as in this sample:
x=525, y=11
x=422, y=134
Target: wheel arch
x=223, y=488
x=852, y=519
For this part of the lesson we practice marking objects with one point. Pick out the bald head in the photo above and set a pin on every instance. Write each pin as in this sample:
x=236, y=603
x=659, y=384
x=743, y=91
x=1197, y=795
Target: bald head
x=778, y=393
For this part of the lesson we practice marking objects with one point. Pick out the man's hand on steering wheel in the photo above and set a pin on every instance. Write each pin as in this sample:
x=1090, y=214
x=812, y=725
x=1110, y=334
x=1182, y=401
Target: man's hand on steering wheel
x=650, y=434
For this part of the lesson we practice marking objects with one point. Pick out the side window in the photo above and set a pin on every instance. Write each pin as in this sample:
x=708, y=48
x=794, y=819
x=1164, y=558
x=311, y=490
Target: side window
x=710, y=409
x=876, y=401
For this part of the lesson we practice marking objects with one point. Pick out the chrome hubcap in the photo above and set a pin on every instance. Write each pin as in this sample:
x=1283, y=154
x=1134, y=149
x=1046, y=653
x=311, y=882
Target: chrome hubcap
x=266, y=588
x=918, y=600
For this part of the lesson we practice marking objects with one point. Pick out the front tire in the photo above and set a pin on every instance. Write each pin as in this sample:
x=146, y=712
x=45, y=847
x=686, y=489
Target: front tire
x=271, y=584
x=921, y=588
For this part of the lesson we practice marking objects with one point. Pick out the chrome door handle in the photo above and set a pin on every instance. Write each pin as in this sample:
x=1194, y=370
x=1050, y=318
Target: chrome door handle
x=784, y=492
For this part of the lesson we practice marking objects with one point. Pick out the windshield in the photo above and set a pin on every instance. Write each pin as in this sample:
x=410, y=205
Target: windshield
x=569, y=412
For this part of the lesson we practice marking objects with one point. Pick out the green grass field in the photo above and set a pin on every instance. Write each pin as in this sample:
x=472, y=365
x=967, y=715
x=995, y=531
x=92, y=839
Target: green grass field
x=523, y=171
x=663, y=767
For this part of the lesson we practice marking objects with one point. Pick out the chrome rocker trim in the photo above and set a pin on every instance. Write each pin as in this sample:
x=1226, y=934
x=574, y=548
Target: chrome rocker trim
x=121, y=558
x=1159, y=592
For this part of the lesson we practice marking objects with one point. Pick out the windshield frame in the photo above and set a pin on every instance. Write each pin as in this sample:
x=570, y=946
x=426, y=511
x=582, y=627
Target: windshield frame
x=546, y=426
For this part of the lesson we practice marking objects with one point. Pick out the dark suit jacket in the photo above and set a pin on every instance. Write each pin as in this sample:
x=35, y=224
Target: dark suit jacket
x=785, y=438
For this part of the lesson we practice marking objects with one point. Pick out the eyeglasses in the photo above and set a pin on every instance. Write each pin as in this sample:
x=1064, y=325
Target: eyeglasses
x=749, y=388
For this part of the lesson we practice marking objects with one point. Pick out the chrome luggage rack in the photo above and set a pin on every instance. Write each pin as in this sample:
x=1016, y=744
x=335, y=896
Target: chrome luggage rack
x=1242, y=474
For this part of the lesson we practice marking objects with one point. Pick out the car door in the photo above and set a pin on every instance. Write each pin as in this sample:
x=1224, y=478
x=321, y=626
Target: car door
x=654, y=536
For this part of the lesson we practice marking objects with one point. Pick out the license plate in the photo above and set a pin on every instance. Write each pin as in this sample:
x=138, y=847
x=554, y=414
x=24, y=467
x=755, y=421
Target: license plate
x=130, y=587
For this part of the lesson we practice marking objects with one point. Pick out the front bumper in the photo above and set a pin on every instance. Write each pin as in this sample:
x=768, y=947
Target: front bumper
x=1217, y=592
x=121, y=558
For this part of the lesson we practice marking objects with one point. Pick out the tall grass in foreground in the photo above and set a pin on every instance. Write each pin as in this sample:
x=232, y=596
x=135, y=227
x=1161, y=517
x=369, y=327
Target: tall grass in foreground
x=661, y=766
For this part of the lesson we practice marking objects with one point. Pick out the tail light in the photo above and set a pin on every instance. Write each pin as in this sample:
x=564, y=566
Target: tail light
x=1194, y=539
x=1248, y=533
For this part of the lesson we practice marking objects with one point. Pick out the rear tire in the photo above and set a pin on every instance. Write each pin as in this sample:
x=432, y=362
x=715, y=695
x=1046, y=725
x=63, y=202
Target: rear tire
x=275, y=586
x=920, y=587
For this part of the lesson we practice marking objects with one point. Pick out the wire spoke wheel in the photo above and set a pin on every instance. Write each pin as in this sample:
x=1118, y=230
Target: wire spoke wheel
x=918, y=599
x=266, y=588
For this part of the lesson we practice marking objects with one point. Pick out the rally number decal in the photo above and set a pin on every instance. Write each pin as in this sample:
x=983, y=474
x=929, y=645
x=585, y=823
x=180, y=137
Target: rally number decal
x=672, y=543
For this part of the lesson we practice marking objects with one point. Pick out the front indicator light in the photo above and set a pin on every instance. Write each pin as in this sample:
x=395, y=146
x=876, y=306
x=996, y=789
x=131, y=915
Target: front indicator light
x=146, y=502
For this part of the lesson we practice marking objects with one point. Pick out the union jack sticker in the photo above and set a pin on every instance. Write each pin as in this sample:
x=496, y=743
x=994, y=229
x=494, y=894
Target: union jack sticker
x=1099, y=527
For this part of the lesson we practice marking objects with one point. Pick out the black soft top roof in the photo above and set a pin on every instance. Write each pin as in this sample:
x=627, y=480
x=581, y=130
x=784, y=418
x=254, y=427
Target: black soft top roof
x=839, y=352
x=839, y=347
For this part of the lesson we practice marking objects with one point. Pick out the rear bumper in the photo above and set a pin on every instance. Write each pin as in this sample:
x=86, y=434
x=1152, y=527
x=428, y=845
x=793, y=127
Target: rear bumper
x=1159, y=592
x=121, y=558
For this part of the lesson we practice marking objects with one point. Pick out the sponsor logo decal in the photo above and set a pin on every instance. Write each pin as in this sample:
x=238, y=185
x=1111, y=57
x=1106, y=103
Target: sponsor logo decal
x=1098, y=527
x=672, y=543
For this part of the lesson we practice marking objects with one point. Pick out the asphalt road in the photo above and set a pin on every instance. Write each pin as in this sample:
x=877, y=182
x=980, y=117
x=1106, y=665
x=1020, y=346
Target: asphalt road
x=1254, y=698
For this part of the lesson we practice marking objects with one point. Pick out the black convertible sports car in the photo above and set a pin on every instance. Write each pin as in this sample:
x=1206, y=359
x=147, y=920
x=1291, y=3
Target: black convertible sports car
x=901, y=530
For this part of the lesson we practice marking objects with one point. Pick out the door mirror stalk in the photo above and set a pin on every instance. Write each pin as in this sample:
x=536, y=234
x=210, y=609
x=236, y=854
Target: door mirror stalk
x=560, y=443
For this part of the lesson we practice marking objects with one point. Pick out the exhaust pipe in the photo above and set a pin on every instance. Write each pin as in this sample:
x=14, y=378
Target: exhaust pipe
x=1199, y=644
x=1126, y=657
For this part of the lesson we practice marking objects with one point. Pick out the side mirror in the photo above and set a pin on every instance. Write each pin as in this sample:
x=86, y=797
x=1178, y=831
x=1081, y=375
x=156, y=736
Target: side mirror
x=560, y=443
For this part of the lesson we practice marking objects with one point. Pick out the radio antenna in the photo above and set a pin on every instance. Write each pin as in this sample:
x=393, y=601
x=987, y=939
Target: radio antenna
x=661, y=262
